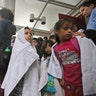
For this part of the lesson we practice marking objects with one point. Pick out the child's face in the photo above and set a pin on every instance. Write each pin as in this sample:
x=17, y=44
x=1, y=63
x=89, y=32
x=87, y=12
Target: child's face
x=65, y=32
x=86, y=10
x=28, y=35
x=48, y=49
x=35, y=43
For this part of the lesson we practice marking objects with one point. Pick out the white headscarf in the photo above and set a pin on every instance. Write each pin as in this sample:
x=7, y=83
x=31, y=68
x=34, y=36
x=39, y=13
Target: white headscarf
x=22, y=57
x=20, y=43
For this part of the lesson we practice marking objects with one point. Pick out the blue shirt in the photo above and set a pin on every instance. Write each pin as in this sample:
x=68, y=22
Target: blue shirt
x=92, y=20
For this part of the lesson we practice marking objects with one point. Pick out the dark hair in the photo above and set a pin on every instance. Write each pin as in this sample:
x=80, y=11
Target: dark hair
x=27, y=28
x=35, y=39
x=52, y=37
x=88, y=3
x=58, y=25
x=6, y=14
x=40, y=41
x=44, y=45
x=46, y=38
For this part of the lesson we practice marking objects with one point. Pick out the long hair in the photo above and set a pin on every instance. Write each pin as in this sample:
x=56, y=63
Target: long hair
x=44, y=45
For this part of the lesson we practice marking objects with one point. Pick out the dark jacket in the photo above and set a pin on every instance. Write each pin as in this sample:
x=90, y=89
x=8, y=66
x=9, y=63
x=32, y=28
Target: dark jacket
x=7, y=29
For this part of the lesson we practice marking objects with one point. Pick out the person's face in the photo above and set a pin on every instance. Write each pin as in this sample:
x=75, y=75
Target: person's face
x=35, y=43
x=48, y=49
x=86, y=10
x=28, y=35
x=65, y=32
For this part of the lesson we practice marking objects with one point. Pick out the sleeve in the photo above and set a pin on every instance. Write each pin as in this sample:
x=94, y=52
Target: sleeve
x=92, y=20
x=2, y=29
x=93, y=17
x=7, y=29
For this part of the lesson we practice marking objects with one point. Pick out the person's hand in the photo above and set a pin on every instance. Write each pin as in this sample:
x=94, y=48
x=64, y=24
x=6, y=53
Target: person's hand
x=62, y=82
x=79, y=34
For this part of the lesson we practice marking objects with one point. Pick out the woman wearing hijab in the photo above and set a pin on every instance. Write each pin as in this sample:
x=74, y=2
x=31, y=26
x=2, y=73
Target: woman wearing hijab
x=22, y=76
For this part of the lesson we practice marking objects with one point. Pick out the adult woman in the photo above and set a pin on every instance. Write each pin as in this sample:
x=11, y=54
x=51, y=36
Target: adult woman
x=88, y=9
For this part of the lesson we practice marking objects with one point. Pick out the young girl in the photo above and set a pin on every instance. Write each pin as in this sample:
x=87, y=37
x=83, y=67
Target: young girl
x=48, y=84
x=72, y=61
x=88, y=9
x=22, y=76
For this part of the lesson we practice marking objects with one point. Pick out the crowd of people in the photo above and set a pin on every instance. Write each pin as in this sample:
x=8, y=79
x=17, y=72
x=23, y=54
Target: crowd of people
x=63, y=64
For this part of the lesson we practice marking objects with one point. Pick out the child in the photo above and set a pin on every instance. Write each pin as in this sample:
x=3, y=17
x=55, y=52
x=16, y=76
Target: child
x=35, y=42
x=47, y=84
x=22, y=76
x=52, y=37
x=88, y=9
x=68, y=61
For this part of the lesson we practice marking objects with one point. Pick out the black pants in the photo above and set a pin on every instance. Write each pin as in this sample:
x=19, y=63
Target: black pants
x=91, y=34
x=4, y=61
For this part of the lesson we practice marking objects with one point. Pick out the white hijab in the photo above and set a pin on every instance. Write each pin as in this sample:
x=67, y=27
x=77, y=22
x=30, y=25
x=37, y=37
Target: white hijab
x=22, y=57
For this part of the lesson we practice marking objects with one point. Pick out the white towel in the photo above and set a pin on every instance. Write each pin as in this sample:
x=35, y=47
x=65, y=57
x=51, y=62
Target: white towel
x=23, y=58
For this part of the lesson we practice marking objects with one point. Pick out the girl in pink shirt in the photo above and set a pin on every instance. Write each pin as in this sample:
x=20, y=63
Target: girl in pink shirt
x=69, y=57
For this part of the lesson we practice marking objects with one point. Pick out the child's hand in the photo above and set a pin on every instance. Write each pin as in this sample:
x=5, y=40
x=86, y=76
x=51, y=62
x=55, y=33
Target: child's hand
x=62, y=82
